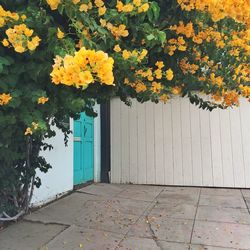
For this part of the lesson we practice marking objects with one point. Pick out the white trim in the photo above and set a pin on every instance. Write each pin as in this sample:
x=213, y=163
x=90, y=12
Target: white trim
x=97, y=145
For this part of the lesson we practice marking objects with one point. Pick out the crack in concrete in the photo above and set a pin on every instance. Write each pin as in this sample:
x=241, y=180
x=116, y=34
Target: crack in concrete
x=81, y=192
x=47, y=223
x=154, y=237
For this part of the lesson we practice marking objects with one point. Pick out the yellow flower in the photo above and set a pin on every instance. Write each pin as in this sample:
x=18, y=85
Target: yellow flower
x=53, y=4
x=164, y=98
x=169, y=74
x=59, y=34
x=126, y=54
x=128, y=8
x=143, y=8
x=23, y=17
x=42, y=100
x=5, y=42
x=182, y=48
x=28, y=131
x=99, y=3
x=28, y=32
x=4, y=99
x=176, y=90
x=84, y=7
x=75, y=1
x=35, y=125
x=102, y=11
x=19, y=49
x=119, y=6
x=159, y=64
x=137, y=3
x=117, y=48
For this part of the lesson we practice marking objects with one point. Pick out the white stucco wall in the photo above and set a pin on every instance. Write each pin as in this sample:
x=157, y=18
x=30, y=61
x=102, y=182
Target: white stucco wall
x=59, y=179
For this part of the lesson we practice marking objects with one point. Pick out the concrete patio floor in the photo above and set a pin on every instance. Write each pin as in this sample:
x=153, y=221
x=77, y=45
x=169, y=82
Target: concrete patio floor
x=106, y=216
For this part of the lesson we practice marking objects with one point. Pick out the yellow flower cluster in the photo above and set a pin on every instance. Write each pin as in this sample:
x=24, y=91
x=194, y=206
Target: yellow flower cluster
x=85, y=67
x=137, y=5
x=42, y=100
x=20, y=37
x=6, y=16
x=245, y=90
x=4, y=99
x=126, y=54
x=175, y=44
x=219, y=9
x=29, y=130
x=53, y=4
x=186, y=67
x=116, y=31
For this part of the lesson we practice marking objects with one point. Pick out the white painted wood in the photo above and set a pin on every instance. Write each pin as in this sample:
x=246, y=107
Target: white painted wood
x=207, y=170
x=125, y=128
x=168, y=143
x=159, y=145
x=133, y=138
x=179, y=144
x=141, y=143
x=226, y=147
x=186, y=142
x=237, y=149
x=196, y=146
x=245, y=133
x=216, y=148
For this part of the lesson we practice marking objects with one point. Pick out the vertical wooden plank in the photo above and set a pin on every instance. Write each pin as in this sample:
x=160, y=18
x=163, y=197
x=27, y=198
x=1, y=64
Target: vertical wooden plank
x=177, y=142
x=115, y=141
x=168, y=143
x=150, y=143
x=245, y=131
x=206, y=148
x=141, y=143
x=133, y=143
x=216, y=148
x=124, y=143
x=226, y=149
x=159, y=160
x=238, y=162
x=186, y=142
x=196, y=145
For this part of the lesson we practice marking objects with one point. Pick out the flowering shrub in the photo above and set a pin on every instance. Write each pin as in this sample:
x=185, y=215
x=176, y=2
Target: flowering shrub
x=57, y=56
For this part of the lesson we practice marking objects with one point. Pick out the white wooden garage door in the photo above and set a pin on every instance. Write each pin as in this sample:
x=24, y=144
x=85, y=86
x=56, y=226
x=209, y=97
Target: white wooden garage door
x=179, y=144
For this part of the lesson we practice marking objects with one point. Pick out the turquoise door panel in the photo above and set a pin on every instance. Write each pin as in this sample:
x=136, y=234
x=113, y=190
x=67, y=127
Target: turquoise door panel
x=83, y=149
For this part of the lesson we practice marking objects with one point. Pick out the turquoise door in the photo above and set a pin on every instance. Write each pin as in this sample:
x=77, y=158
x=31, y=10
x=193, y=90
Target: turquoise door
x=83, y=149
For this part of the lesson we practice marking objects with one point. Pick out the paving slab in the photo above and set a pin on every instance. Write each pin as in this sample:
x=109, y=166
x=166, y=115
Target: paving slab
x=245, y=192
x=103, y=189
x=28, y=236
x=179, y=211
x=112, y=221
x=65, y=210
x=202, y=247
x=140, y=192
x=117, y=205
x=178, y=198
x=221, y=191
x=221, y=234
x=133, y=243
x=222, y=201
x=182, y=190
x=223, y=214
x=166, y=229
x=87, y=239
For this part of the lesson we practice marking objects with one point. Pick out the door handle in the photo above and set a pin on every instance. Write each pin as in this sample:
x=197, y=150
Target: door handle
x=84, y=131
